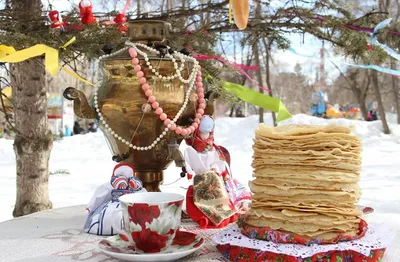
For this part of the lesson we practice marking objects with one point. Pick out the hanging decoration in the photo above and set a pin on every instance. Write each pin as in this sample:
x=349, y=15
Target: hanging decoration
x=120, y=19
x=384, y=70
x=8, y=54
x=255, y=98
x=56, y=21
x=241, y=12
x=374, y=40
x=86, y=12
x=238, y=67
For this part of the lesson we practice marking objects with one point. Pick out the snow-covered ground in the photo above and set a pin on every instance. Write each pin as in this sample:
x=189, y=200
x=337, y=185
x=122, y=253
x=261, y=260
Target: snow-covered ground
x=89, y=163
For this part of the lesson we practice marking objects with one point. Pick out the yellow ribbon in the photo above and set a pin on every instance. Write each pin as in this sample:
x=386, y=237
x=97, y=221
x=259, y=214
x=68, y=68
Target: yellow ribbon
x=9, y=55
x=230, y=11
x=73, y=39
x=73, y=74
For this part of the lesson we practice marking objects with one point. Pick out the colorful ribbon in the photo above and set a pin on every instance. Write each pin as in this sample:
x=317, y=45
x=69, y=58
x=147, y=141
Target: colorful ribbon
x=238, y=67
x=50, y=56
x=375, y=41
x=253, y=97
x=306, y=56
x=378, y=68
x=64, y=46
x=353, y=27
x=8, y=54
x=73, y=74
x=389, y=71
x=230, y=11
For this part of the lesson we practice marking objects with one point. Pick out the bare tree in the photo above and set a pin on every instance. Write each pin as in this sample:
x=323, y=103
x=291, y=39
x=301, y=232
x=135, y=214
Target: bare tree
x=381, y=108
x=267, y=48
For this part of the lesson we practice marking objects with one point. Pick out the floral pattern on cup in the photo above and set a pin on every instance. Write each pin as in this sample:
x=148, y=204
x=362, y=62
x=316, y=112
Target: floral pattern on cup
x=153, y=227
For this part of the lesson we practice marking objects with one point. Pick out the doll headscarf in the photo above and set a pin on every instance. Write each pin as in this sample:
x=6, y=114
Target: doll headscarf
x=207, y=124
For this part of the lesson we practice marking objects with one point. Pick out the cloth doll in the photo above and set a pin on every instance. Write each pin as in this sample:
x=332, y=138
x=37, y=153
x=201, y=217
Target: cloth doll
x=86, y=12
x=105, y=200
x=215, y=198
x=56, y=21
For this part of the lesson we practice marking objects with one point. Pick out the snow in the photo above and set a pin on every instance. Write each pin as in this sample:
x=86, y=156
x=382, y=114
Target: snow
x=88, y=162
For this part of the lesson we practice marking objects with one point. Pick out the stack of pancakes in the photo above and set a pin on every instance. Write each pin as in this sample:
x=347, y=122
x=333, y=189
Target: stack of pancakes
x=306, y=180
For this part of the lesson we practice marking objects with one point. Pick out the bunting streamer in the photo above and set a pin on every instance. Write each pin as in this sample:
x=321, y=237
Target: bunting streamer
x=255, y=98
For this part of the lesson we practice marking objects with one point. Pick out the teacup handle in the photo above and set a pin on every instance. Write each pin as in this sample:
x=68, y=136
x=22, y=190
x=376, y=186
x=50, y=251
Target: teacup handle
x=115, y=223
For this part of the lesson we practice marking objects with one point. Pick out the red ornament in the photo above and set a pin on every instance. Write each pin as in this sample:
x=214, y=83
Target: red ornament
x=120, y=21
x=67, y=26
x=56, y=22
x=86, y=11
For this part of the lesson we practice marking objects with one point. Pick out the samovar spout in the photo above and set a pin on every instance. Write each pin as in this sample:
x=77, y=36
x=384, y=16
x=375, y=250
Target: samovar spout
x=175, y=154
x=81, y=105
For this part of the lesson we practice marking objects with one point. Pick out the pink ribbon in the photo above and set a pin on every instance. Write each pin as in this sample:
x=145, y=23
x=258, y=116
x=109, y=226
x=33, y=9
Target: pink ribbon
x=352, y=27
x=238, y=67
x=234, y=65
x=126, y=6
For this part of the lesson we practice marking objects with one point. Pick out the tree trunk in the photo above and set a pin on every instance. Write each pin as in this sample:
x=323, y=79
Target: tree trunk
x=33, y=141
x=395, y=90
x=259, y=79
x=138, y=8
x=363, y=106
x=378, y=97
x=267, y=73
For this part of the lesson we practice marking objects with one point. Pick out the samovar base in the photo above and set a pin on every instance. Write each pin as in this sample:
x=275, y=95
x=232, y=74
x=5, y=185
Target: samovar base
x=151, y=179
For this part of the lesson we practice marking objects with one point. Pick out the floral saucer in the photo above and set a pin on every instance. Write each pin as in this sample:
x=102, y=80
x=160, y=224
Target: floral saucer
x=184, y=244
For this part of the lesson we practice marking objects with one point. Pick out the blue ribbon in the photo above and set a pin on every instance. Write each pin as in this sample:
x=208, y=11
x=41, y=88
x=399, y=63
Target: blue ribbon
x=377, y=68
x=374, y=41
x=374, y=67
x=306, y=56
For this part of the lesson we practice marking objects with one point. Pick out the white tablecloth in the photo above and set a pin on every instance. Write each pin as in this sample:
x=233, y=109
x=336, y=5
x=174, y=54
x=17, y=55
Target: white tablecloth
x=57, y=235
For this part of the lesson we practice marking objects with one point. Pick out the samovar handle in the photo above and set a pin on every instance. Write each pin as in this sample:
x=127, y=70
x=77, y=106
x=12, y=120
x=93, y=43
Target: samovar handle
x=175, y=154
x=82, y=108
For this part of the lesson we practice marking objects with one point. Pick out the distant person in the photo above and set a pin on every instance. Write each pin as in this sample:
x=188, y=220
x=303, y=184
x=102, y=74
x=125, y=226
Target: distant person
x=77, y=128
x=92, y=128
x=67, y=131
x=374, y=116
x=369, y=116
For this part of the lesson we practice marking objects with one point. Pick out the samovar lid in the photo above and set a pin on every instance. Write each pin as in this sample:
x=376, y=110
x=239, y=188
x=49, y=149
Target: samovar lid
x=148, y=30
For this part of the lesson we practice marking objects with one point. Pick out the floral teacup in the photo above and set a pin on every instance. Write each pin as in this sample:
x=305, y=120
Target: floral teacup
x=151, y=220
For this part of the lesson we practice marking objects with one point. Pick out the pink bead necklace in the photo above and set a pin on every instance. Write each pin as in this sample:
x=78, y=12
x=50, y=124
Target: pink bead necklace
x=180, y=130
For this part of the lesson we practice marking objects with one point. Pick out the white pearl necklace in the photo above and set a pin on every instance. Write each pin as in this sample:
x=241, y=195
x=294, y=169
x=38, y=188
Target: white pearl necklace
x=100, y=78
x=178, y=68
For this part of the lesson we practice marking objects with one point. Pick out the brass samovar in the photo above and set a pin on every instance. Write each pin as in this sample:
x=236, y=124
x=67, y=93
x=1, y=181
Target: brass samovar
x=123, y=104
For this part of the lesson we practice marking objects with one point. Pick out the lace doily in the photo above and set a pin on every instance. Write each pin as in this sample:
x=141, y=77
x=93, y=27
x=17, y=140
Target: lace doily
x=377, y=237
